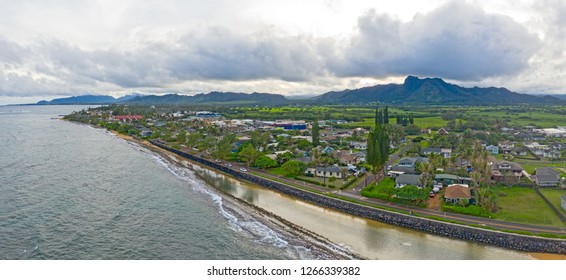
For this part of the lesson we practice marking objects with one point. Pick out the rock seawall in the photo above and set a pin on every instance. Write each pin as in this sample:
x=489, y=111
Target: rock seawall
x=493, y=238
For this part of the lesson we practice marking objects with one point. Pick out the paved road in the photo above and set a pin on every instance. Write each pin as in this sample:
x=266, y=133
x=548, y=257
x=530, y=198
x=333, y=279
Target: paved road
x=463, y=219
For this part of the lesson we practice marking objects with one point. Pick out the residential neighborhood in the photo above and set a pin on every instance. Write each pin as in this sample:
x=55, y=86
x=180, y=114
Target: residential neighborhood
x=436, y=168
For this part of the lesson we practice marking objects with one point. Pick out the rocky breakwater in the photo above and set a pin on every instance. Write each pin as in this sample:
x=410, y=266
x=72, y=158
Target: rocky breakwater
x=489, y=237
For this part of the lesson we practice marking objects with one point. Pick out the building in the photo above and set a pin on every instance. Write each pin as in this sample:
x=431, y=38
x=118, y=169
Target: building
x=408, y=179
x=547, y=177
x=128, y=118
x=457, y=194
x=494, y=150
x=330, y=171
x=408, y=164
x=444, y=152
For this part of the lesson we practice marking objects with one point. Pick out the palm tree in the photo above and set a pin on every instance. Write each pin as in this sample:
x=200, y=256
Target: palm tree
x=476, y=177
x=426, y=169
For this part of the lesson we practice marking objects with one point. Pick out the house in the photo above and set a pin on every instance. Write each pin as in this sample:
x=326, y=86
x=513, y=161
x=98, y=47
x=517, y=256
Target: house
x=408, y=179
x=328, y=150
x=330, y=171
x=551, y=154
x=305, y=160
x=348, y=159
x=506, y=147
x=519, y=151
x=494, y=150
x=358, y=145
x=510, y=172
x=449, y=179
x=146, y=133
x=547, y=177
x=408, y=164
x=442, y=131
x=457, y=194
x=128, y=118
x=444, y=152
x=563, y=202
x=536, y=146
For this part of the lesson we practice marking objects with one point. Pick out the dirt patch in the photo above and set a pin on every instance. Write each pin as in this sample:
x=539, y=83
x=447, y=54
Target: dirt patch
x=435, y=202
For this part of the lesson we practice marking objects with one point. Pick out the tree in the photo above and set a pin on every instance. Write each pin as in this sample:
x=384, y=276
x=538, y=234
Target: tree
x=411, y=119
x=293, y=168
x=378, y=147
x=249, y=153
x=264, y=162
x=426, y=169
x=284, y=157
x=223, y=147
x=315, y=133
x=386, y=115
x=303, y=144
x=476, y=179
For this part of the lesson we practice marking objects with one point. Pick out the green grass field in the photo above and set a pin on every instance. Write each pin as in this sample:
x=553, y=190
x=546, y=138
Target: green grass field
x=420, y=122
x=553, y=195
x=531, y=165
x=277, y=171
x=523, y=205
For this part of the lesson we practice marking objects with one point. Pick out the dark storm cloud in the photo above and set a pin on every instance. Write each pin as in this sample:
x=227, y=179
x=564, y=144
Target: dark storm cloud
x=457, y=41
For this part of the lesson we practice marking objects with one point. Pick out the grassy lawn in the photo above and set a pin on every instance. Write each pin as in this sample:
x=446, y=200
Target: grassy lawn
x=553, y=195
x=276, y=171
x=523, y=205
x=386, y=182
x=420, y=122
x=531, y=165
x=338, y=183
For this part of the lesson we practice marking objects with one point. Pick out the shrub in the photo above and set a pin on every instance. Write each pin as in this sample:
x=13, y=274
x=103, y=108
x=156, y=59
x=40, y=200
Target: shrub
x=473, y=210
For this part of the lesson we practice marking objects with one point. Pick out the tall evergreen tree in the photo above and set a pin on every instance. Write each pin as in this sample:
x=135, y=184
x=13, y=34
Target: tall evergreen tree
x=386, y=115
x=315, y=133
x=411, y=119
x=380, y=118
x=376, y=116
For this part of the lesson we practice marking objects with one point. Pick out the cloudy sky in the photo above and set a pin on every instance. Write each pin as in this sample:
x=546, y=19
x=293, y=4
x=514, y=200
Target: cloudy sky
x=55, y=48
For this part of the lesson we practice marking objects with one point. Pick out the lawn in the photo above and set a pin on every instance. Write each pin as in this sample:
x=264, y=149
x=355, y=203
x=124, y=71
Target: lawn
x=553, y=195
x=386, y=182
x=531, y=165
x=277, y=171
x=425, y=122
x=523, y=205
x=338, y=183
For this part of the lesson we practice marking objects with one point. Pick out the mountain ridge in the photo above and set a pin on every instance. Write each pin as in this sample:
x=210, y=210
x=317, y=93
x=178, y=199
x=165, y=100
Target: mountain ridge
x=414, y=90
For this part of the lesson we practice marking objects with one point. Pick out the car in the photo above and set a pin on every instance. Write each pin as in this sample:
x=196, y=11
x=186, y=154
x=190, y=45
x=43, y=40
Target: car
x=431, y=194
x=228, y=164
x=389, y=168
x=243, y=169
x=218, y=161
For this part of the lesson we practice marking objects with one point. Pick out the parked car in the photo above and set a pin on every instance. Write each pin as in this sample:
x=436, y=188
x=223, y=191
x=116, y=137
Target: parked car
x=243, y=169
x=431, y=194
x=228, y=164
x=218, y=161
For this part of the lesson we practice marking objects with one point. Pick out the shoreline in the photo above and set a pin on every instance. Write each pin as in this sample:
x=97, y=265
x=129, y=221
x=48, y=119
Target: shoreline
x=537, y=247
x=523, y=243
x=319, y=247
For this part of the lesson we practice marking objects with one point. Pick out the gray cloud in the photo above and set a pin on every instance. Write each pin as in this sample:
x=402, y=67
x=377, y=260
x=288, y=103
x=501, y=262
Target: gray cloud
x=457, y=41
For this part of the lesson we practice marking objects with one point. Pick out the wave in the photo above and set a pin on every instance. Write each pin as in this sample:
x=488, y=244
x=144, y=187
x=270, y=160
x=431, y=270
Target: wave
x=238, y=219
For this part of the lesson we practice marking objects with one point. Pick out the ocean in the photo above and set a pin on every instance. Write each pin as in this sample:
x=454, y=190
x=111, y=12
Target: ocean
x=71, y=191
